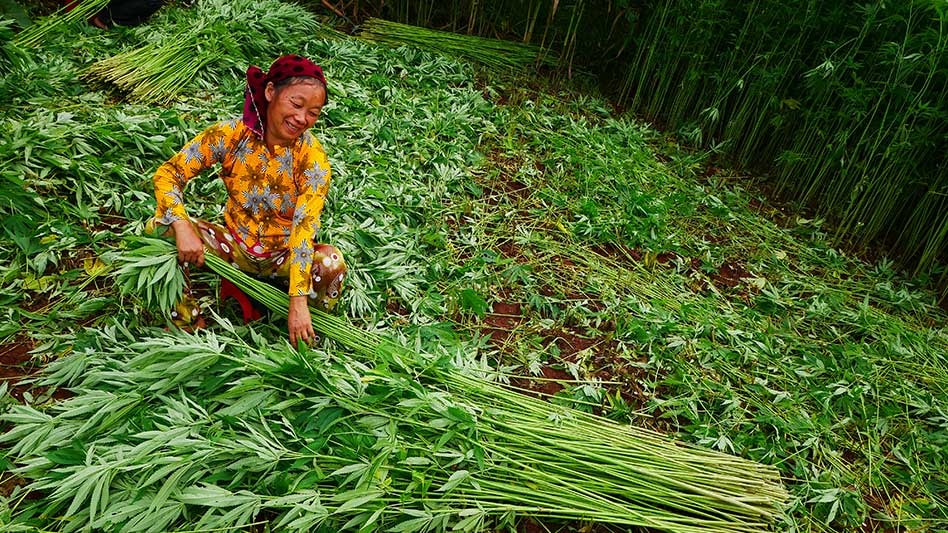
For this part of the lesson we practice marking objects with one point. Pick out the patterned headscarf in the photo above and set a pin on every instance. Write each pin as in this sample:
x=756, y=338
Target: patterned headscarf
x=255, y=102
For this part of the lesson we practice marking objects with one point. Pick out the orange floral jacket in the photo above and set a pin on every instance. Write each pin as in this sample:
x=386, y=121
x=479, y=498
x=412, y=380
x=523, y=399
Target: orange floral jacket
x=274, y=198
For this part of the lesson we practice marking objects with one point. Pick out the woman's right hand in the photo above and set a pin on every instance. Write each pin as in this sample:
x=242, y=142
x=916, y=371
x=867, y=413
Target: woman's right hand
x=190, y=246
x=299, y=322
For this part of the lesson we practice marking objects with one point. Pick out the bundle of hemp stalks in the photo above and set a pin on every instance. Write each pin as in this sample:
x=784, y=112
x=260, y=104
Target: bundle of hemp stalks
x=225, y=430
x=80, y=13
x=493, y=53
x=223, y=34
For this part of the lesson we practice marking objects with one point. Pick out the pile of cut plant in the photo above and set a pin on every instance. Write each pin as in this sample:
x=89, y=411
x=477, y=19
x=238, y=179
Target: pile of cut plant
x=543, y=318
x=213, y=35
x=223, y=430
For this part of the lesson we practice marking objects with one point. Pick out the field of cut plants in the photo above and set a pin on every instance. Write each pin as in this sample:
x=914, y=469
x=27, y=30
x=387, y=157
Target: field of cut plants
x=555, y=318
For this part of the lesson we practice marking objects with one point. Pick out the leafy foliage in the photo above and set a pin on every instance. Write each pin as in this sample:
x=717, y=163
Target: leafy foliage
x=148, y=270
x=243, y=32
x=10, y=54
x=62, y=19
x=844, y=103
x=208, y=432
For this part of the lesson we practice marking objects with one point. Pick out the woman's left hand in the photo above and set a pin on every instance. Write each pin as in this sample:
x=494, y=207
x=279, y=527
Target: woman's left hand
x=299, y=323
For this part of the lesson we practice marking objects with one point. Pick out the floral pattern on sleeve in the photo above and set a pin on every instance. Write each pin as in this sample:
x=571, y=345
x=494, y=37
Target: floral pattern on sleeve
x=171, y=178
x=312, y=176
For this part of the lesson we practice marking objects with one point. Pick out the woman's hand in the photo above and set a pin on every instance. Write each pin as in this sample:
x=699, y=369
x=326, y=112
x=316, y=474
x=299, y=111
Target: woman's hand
x=299, y=322
x=190, y=246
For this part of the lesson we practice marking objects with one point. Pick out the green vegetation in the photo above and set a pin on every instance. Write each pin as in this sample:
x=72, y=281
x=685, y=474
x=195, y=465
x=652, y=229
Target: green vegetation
x=55, y=24
x=488, y=52
x=376, y=437
x=241, y=31
x=527, y=235
x=844, y=105
x=845, y=101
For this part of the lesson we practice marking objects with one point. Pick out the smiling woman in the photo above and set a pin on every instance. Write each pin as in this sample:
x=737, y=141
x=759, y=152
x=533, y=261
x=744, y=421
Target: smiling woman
x=277, y=177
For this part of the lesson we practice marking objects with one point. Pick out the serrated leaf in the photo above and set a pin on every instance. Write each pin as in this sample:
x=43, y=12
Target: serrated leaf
x=470, y=523
x=246, y=403
x=207, y=495
x=416, y=461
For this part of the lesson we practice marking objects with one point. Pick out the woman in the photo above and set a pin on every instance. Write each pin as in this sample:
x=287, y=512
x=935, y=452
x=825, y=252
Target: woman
x=277, y=176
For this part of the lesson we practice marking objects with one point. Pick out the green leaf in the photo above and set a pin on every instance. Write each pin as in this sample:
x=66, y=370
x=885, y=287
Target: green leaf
x=472, y=301
x=246, y=403
x=456, y=478
x=75, y=454
x=472, y=520
x=416, y=461
x=372, y=520
x=348, y=469
x=207, y=495
x=414, y=524
x=352, y=500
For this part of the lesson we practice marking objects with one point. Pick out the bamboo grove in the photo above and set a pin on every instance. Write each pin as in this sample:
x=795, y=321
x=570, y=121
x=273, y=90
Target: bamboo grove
x=844, y=105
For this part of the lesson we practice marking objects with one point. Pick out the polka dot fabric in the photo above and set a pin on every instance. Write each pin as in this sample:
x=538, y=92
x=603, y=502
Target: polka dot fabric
x=288, y=66
x=329, y=271
x=328, y=268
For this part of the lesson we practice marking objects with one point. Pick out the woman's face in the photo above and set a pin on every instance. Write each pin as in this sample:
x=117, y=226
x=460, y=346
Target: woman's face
x=291, y=110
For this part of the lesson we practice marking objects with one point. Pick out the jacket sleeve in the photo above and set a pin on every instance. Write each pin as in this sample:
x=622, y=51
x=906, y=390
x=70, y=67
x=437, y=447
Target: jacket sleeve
x=171, y=177
x=312, y=183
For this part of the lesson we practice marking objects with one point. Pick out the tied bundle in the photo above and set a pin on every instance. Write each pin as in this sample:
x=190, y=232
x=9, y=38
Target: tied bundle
x=492, y=53
x=81, y=11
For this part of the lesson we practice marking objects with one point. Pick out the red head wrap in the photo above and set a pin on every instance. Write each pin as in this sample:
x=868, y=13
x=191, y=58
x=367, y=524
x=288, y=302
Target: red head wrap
x=289, y=66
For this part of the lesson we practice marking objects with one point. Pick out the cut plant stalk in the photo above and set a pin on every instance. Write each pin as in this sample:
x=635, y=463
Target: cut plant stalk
x=629, y=476
x=243, y=32
x=493, y=53
x=576, y=430
x=387, y=424
x=80, y=13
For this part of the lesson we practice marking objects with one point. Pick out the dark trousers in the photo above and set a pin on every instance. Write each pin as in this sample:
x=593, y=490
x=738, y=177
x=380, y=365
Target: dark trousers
x=129, y=13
